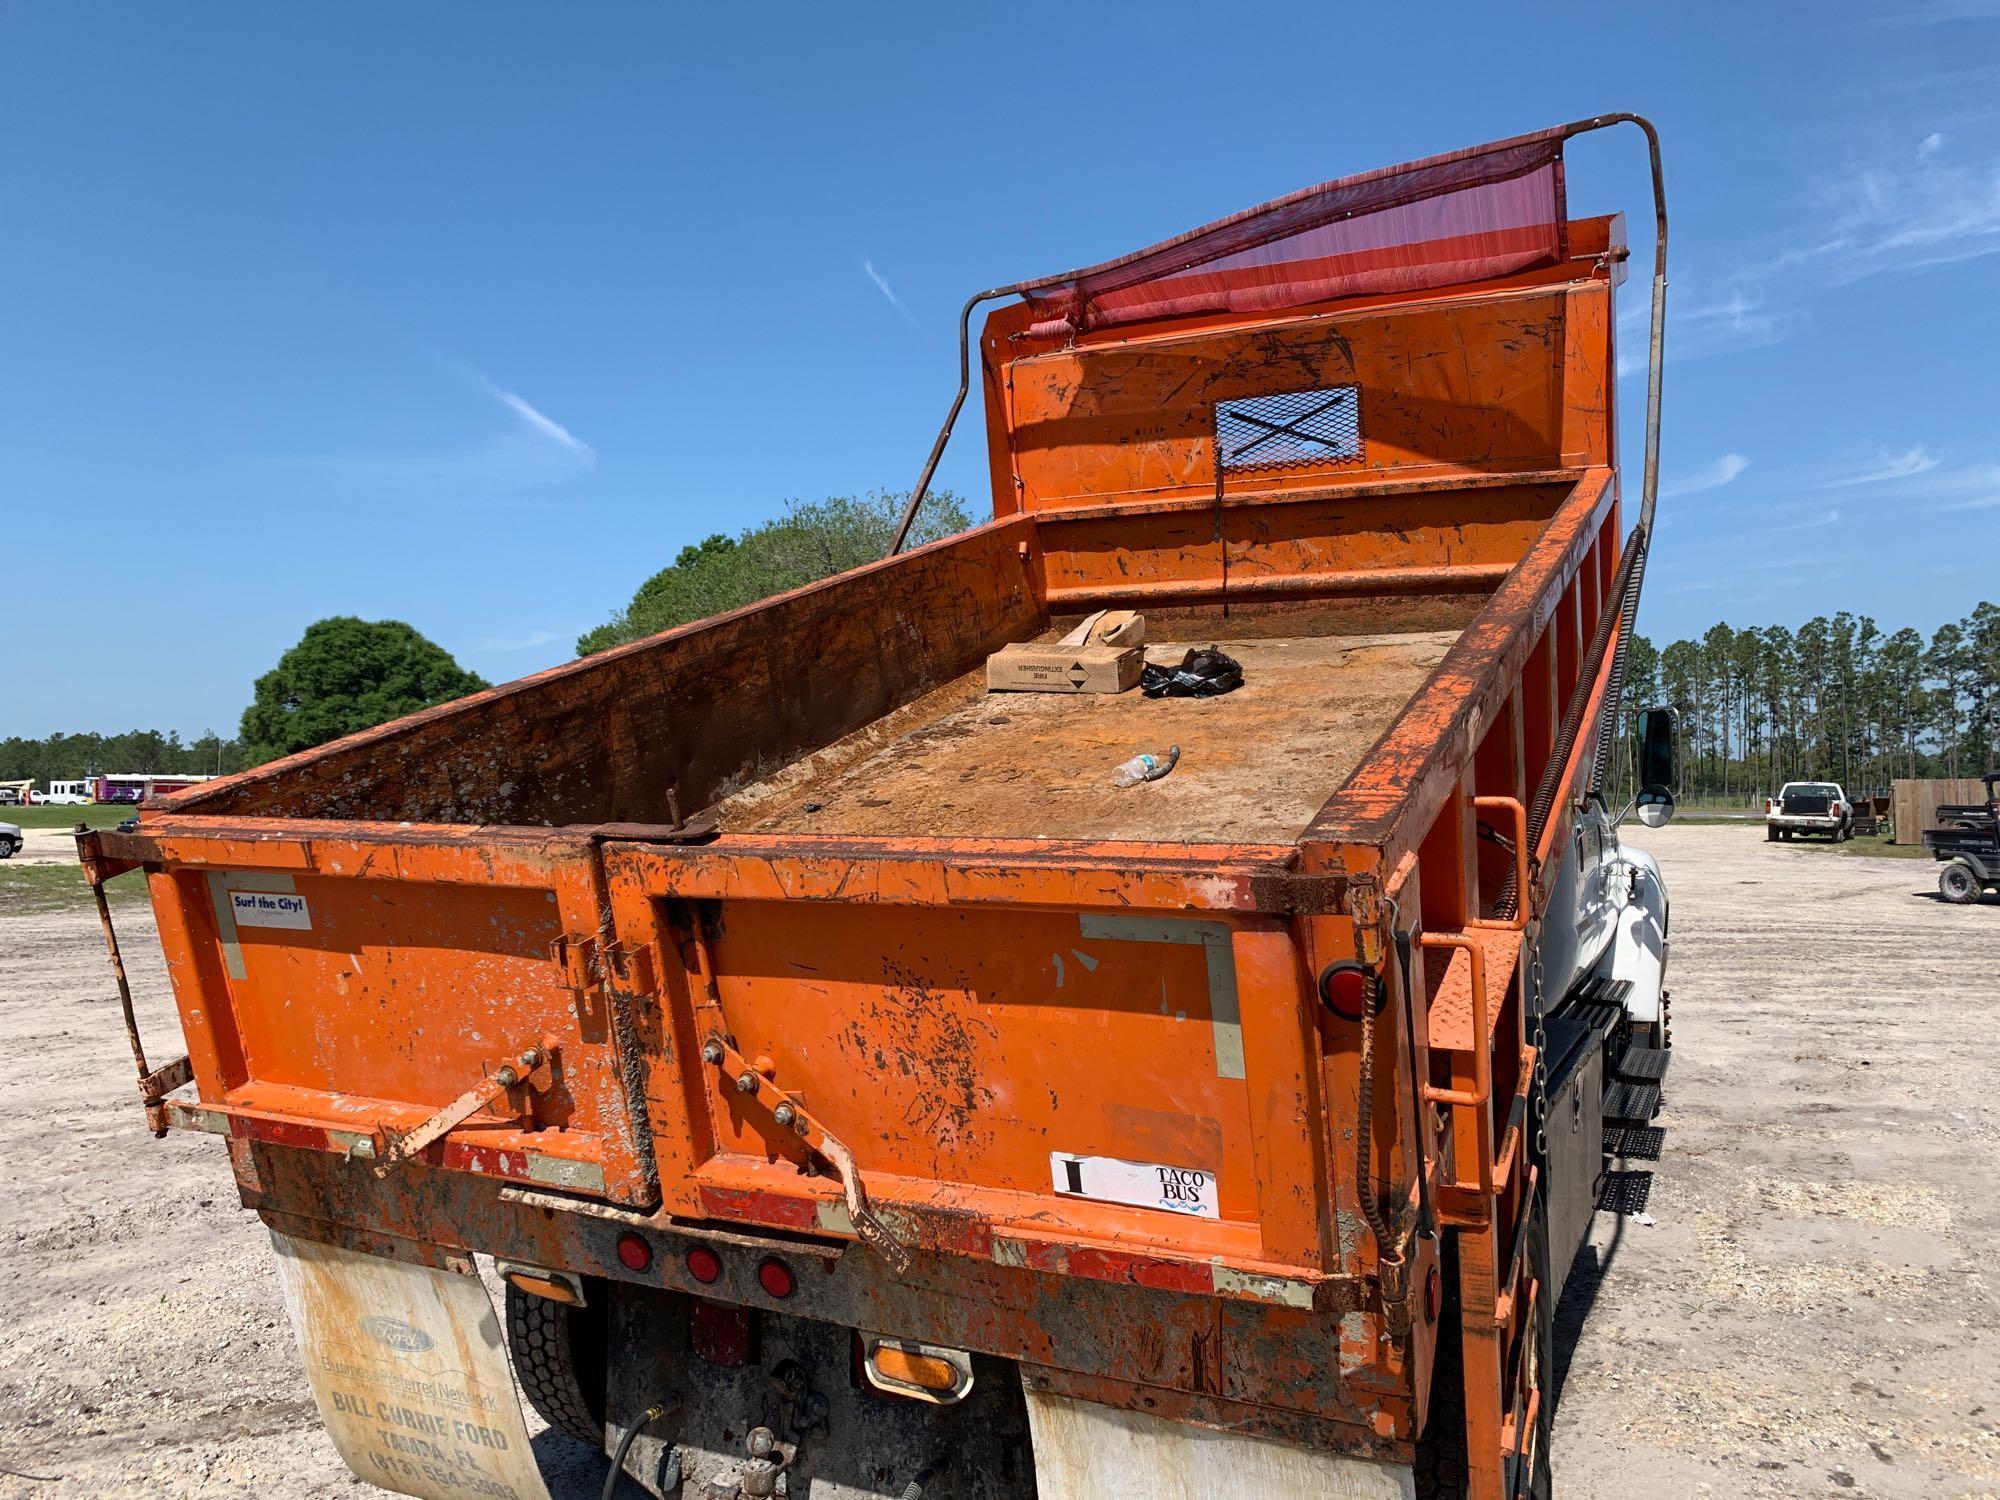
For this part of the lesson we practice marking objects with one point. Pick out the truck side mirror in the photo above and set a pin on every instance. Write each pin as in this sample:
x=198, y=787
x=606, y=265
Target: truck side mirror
x=1656, y=766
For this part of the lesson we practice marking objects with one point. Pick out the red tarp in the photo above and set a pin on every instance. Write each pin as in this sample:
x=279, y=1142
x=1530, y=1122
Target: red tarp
x=1487, y=211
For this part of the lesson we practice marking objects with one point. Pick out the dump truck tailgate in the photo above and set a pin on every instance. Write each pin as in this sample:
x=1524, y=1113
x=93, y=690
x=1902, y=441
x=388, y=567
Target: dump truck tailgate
x=1106, y=1076
x=353, y=987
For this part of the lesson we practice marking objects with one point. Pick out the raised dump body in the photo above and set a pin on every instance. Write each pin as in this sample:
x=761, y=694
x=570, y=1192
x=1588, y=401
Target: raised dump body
x=776, y=939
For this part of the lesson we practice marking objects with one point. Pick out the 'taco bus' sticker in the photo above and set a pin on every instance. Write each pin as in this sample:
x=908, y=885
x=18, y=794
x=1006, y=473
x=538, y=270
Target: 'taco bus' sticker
x=1178, y=1190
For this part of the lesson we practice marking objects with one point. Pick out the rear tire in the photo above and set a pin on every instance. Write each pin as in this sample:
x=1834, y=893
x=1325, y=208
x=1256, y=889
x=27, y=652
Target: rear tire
x=1770, y=835
x=1541, y=1472
x=559, y=1358
x=1440, y=1456
x=9, y=848
x=1440, y=1459
x=1958, y=885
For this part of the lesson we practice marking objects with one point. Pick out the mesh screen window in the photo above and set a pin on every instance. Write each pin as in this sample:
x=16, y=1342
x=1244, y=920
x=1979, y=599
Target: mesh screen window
x=1296, y=428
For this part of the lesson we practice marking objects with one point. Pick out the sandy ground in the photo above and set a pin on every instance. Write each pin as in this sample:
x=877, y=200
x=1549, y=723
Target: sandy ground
x=1810, y=1314
x=1813, y=1312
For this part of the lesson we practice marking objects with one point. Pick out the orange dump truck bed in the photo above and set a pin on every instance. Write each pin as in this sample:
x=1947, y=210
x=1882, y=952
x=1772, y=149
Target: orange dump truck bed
x=792, y=935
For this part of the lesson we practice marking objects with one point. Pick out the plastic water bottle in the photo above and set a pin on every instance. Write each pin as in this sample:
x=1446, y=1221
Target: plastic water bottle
x=1146, y=767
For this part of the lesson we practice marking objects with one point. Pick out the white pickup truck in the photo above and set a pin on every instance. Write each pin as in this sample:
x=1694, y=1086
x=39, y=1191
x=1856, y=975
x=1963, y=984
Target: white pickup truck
x=1803, y=807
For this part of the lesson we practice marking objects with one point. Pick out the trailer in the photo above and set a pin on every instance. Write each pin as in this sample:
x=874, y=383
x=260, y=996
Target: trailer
x=857, y=1093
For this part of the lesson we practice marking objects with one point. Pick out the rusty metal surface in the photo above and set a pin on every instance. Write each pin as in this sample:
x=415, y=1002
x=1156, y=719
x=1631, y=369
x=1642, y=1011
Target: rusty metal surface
x=1255, y=766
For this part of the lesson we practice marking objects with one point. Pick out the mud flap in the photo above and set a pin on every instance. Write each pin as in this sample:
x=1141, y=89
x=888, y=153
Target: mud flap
x=410, y=1370
x=1085, y=1451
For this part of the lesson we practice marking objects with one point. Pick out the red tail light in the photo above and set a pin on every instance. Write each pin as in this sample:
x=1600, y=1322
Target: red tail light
x=1347, y=988
x=704, y=1265
x=775, y=1277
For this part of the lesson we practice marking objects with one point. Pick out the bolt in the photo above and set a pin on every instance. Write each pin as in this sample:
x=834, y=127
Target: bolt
x=747, y=1084
x=531, y=1059
x=784, y=1114
x=762, y=1442
x=506, y=1078
x=712, y=1053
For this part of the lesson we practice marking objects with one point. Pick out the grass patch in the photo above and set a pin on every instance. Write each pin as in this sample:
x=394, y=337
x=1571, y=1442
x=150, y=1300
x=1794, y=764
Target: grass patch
x=1867, y=846
x=29, y=890
x=96, y=814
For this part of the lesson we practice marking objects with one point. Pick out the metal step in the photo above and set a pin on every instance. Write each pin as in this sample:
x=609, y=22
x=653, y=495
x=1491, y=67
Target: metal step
x=1634, y=1142
x=1595, y=1016
x=1625, y=1192
x=1643, y=1064
x=1602, y=990
x=1631, y=1103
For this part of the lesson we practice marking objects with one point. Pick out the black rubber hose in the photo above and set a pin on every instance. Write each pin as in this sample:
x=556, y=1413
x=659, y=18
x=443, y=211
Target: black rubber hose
x=647, y=1418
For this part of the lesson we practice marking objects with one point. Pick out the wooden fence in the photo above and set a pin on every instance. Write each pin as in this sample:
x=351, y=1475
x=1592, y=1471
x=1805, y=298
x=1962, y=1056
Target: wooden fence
x=1917, y=803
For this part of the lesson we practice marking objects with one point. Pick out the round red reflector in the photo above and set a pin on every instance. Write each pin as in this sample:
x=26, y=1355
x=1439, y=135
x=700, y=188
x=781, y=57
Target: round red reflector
x=1433, y=1295
x=636, y=1254
x=704, y=1265
x=1346, y=988
x=775, y=1277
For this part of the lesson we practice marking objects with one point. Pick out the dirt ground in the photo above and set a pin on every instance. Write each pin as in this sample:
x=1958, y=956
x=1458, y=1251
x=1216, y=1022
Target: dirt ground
x=1812, y=1313
x=43, y=846
x=1809, y=1313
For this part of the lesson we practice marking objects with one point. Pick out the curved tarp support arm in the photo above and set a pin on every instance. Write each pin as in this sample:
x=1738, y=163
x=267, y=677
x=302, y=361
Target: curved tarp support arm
x=1642, y=534
x=951, y=417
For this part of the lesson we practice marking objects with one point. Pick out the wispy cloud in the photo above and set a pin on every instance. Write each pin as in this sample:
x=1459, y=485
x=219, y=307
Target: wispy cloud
x=1960, y=487
x=1828, y=517
x=1979, y=489
x=1775, y=564
x=1887, y=466
x=539, y=422
x=1885, y=210
x=1937, y=13
x=1877, y=219
x=889, y=292
x=1698, y=328
x=526, y=642
x=1725, y=470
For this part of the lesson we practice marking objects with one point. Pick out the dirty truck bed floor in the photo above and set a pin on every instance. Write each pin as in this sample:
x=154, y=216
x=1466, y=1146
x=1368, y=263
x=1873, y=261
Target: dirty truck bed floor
x=1255, y=765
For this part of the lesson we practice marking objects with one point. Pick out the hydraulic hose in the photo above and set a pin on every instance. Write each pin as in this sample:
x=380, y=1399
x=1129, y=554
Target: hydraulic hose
x=647, y=1418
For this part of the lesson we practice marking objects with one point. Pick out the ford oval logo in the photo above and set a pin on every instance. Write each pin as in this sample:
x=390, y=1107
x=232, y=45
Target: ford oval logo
x=394, y=1333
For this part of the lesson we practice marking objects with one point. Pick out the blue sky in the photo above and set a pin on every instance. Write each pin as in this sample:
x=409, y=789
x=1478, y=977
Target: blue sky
x=472, y=315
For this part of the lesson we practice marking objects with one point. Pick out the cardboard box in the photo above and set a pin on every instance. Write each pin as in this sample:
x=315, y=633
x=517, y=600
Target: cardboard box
x=1051, y=667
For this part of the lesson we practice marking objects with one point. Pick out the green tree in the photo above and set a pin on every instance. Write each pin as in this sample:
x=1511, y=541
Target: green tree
x=807, y=543
x=346, y=675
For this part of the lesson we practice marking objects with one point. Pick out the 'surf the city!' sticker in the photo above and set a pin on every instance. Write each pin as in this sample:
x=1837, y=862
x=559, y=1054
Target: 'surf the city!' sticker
x=270, y=909
x=1177, y=1190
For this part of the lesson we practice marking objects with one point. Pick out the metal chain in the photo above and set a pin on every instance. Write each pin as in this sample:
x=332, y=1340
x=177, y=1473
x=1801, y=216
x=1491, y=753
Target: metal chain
x=1541, y=1102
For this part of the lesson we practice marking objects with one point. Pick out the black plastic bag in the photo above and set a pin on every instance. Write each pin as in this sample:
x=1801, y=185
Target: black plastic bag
x=1205, y=673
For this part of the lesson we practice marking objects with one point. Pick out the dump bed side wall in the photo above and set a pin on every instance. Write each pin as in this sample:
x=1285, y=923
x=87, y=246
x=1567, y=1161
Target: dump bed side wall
x=696, y=711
